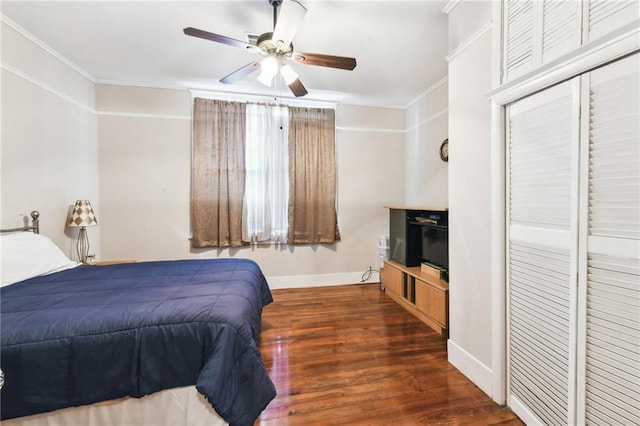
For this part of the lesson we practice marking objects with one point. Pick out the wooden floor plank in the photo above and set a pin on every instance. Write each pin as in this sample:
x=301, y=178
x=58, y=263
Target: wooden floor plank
x=349, y=355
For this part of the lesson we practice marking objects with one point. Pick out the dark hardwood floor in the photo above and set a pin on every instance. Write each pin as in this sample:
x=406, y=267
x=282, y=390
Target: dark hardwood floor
x=349, y=355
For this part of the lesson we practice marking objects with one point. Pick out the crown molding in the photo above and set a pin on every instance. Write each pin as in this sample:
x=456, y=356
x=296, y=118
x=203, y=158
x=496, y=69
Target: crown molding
x=468, y=42
x=26, y=34
x=426, y=92
x=450, y=6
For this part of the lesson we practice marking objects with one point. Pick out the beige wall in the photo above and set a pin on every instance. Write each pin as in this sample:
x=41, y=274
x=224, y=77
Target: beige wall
x=426, y=178
x=144, y=163
x=49, y=143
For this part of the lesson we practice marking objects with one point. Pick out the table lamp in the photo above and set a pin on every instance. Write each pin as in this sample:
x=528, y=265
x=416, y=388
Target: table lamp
x=82, y=216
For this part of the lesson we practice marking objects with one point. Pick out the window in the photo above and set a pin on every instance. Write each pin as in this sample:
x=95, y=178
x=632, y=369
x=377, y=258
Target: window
x=262, y=173
x=266, y=196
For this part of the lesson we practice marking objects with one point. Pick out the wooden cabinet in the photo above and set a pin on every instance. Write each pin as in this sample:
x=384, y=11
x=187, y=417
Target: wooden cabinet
x=393, y=279
x=424, y=295
x=432, y=301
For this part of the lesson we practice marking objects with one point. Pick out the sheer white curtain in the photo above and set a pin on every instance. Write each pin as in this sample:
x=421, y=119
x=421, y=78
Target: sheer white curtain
x=264, y=214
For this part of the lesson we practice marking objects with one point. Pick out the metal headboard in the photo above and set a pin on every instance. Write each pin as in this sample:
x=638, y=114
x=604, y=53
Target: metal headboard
x=35, y=224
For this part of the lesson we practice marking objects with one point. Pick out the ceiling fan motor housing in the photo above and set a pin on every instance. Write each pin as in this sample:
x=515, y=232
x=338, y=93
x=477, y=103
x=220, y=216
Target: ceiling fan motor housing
x=264, y=39
x=266, y=43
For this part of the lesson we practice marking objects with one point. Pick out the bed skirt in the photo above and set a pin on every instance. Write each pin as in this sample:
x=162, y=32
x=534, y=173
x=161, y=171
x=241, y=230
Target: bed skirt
x=183, y=406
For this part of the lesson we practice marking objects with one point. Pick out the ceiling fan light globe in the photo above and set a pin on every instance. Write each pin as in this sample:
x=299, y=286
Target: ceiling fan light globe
x=265, y=79
x=288, y=74
x=269, y=66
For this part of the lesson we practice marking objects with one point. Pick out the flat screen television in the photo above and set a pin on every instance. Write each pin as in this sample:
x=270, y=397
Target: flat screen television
x=435, y=245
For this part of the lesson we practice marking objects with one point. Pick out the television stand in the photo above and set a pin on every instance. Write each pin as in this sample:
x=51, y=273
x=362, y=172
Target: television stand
x=422, y=293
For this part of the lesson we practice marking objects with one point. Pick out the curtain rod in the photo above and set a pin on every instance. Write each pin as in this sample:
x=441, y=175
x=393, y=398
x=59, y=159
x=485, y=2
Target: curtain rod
x=224, y=96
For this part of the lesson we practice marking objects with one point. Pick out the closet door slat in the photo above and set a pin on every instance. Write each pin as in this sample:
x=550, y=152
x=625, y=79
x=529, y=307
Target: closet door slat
x=614, y=154
x=559, y=28
x=540, y=172
x=612, y=379
x=519, y=37
x=607, y=15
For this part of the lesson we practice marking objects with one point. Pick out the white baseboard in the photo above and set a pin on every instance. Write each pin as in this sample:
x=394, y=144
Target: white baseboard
x=476, y=371
x=322, y=280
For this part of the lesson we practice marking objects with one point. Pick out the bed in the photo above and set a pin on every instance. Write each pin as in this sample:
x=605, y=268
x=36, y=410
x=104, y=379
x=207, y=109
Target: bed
x=95, y=336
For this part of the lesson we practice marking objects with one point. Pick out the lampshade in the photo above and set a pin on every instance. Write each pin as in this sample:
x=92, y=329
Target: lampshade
x=82, y=215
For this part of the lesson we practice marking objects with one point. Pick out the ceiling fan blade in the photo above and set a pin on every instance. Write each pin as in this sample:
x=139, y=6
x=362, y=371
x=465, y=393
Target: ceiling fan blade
x=240, y=73
x=340, y=62
x=297, y=88
x=194, y=32
x=289, y=20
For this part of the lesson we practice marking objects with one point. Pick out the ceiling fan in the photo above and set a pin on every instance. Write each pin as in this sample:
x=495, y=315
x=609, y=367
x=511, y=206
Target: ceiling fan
x=276, y=49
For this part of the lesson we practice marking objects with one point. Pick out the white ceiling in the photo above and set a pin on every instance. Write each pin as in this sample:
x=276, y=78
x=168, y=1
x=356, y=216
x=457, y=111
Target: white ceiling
x=400, y=46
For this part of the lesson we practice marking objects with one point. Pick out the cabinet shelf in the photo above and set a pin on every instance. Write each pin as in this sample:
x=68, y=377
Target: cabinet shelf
x=422, y=294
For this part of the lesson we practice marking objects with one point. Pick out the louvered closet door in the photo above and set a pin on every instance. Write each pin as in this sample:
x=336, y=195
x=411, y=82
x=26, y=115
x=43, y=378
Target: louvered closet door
x=610, y=387
x=542, y=254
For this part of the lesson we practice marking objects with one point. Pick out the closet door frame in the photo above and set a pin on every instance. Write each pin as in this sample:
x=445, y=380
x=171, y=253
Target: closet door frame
x=584, y=59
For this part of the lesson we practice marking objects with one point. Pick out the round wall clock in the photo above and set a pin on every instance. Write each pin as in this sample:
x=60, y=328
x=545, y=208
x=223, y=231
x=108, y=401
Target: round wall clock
x=444, y=150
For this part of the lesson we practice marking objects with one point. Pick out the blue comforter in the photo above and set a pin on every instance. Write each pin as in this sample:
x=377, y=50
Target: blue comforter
x=96, y=333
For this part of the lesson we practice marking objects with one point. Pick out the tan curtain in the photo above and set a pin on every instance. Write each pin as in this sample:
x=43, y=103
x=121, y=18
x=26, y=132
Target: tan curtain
x=217, y=173
x=312, y=174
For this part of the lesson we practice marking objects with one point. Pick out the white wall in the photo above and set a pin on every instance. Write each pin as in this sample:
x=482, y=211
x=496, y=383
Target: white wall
x=470, y=300
x=144, y=163
x=426, y=175
x=49, y=144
